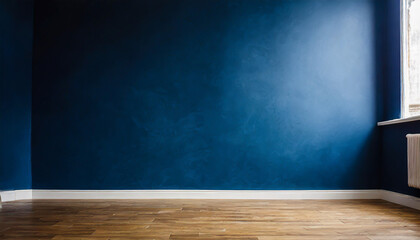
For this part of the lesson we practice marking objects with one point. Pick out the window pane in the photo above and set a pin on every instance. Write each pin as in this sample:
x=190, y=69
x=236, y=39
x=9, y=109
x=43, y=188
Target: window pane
x=413, y=57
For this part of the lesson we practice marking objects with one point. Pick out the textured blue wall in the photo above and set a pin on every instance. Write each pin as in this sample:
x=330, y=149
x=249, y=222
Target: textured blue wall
x=394, y=143
x=206, y=94
x=16, y=27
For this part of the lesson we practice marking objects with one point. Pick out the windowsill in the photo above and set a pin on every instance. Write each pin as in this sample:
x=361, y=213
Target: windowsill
x=400, y=120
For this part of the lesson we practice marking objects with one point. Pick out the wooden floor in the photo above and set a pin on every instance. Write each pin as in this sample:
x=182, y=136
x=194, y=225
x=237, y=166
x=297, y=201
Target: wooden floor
x=208, y=219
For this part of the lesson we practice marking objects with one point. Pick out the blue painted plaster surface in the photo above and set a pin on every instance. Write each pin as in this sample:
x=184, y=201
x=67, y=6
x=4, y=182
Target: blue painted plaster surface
x=16, y=28
x=205, y=95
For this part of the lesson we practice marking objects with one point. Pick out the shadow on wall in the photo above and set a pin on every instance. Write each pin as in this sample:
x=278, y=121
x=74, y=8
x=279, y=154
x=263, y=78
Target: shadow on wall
x=395, y=157
x=394, y=142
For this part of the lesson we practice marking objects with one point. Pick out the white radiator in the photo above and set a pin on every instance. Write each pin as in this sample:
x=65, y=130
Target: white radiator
x=413, y=160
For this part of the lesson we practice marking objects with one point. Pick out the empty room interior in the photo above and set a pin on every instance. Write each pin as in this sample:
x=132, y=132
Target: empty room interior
x=210, y=119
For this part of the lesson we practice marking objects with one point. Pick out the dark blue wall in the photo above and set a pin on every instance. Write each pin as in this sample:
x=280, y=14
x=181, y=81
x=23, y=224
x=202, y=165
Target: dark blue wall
x=394, y=160
x=206, y=94
x=16, y=27
x=394, y=143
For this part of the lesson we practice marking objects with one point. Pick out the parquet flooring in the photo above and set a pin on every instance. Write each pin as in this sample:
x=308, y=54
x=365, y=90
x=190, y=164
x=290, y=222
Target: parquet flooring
x=209, y=220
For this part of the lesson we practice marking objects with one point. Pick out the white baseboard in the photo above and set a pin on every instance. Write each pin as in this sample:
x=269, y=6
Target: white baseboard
x=7, y=196
x=394, y=197
x=401, y=199
x=205, y=194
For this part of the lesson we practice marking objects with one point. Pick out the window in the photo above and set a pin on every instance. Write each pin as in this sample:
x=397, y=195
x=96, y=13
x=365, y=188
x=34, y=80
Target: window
x=410, y=56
